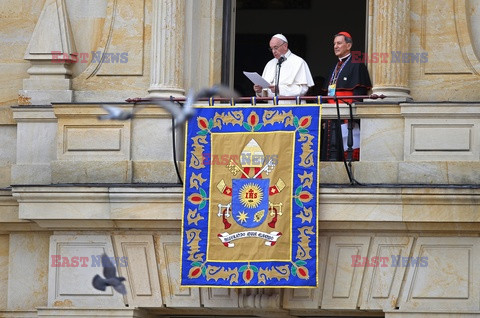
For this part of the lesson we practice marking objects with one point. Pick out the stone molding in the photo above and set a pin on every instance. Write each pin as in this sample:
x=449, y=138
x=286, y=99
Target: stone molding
x=78, y=204
x=50, y=312
x=50, y=77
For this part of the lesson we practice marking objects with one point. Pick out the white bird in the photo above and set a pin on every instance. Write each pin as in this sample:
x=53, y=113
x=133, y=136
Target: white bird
x=179, y=113
x=115, y=113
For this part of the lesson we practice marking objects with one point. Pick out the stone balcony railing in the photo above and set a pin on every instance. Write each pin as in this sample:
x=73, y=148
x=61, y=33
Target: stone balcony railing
x=401, y=143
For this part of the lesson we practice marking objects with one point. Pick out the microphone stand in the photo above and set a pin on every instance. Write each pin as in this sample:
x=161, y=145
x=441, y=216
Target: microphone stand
x=279, y=65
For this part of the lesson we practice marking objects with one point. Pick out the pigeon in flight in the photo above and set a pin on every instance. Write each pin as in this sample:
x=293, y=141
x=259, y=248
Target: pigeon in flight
x=182, y=114
x=217, y=90
x=115, y=113
x=111, y=278
x=179, y=113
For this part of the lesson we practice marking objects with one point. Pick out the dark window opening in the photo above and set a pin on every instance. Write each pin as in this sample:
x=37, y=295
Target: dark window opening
x=309, y=26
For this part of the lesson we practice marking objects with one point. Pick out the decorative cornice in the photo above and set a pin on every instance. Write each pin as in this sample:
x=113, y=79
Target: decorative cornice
x=390, y=205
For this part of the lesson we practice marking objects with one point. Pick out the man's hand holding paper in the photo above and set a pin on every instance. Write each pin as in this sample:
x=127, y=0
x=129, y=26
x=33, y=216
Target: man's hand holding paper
x=257, y=79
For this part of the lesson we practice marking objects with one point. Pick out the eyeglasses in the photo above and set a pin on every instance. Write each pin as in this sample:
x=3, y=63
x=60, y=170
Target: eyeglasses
x=275, y=48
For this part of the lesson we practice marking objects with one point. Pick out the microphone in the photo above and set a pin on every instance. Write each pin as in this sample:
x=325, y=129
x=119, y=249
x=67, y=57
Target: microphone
x=277, y=73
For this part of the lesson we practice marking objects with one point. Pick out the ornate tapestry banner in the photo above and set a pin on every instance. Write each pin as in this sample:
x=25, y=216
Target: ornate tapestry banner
x=251, y=197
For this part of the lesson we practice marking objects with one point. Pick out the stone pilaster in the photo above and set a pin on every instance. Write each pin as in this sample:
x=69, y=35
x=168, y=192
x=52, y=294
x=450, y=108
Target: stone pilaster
x=27, y=271
x=36, y=144
x=391, y=34
x=168, y=32
x=51, y=51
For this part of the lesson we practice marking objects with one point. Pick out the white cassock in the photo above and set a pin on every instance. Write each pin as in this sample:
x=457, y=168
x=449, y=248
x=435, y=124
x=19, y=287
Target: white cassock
x=295, y=77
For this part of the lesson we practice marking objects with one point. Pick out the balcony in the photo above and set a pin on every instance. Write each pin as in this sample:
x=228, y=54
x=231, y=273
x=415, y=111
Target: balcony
x=401, y=143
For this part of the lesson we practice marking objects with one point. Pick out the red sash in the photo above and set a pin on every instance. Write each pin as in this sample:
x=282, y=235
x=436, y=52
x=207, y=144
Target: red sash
x=339, y=94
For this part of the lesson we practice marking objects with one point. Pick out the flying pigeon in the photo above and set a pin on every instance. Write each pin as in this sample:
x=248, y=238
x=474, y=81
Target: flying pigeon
x=111, y=279
x=182, y=114
x=115, y=113
x=217, y=90
x=179, y=113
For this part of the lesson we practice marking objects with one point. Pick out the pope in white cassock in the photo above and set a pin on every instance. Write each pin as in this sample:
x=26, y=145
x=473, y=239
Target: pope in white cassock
x=295, y=77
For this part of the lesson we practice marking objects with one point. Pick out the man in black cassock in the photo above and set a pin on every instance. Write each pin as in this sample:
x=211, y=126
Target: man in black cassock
x=347, y=78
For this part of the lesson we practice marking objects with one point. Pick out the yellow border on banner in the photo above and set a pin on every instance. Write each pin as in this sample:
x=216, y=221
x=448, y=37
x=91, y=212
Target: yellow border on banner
x=317, y=234
x=291, y=219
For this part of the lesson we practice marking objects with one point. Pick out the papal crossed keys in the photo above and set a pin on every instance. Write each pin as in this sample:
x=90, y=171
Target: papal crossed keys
x=267, y=168
x=235, y=169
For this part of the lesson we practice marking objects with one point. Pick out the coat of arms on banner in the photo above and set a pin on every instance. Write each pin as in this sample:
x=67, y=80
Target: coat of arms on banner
x=251, y=197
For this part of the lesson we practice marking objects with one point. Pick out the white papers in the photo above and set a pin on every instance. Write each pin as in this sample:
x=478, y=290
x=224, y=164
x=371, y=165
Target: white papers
x=355, y=133
x=257, y=79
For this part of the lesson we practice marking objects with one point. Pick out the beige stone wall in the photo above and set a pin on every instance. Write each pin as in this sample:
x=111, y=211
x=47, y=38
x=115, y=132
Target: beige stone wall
x=27, y=270
x=147, y=36
x=17, y=21
x=116, y=27
x=4, y=265
x=448, y=32
x=433, y=49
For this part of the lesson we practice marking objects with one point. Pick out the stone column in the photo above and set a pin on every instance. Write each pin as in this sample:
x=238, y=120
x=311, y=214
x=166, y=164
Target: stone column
x=168, y=32
x=391, y=34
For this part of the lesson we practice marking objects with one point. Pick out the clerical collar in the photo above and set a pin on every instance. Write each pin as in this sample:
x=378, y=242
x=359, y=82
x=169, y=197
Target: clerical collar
x=343, y=59
x=287, y=55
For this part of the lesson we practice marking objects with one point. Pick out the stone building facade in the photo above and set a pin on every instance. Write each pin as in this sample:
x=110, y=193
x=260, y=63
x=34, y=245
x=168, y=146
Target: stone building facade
x=73, y=186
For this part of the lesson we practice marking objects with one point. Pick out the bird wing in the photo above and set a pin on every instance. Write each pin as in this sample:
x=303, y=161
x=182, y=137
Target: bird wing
x=171, y=107
x=109, y=270
x=180, y=114
x=120, y=287
x=217, y=90
x=191, y=98
x=187, y=110
x=99, y=283
x=112, y=110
